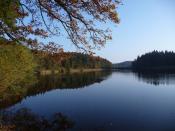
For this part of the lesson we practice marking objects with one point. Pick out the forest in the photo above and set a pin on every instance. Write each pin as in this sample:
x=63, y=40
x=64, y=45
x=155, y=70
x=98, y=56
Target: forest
x=65, y=61
x=19, y=64
x=156, y=60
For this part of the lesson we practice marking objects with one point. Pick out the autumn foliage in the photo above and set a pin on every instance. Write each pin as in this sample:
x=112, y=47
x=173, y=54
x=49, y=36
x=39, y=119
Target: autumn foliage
x=25, y=20
x=70, y=60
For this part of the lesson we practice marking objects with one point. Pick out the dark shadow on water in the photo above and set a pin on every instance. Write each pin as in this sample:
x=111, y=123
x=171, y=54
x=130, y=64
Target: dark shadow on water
x=25, y=120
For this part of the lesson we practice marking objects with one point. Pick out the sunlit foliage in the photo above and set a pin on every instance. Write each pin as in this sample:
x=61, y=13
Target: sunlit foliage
x=16, y=64
x=71, y=60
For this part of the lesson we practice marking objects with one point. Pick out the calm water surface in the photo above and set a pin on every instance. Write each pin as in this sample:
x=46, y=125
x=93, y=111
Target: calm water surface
x=107, y=101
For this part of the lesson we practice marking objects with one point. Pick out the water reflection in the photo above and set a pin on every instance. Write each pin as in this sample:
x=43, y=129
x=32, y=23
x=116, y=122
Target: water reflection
x=156, y=78
x=67, y=81
x=121, y=102
x=50, y=82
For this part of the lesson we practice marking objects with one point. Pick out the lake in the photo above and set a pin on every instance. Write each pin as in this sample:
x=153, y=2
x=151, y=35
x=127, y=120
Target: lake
x=102, y=101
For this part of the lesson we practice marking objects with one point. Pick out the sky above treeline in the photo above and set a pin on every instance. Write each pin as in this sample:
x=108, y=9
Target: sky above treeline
x=146, y=25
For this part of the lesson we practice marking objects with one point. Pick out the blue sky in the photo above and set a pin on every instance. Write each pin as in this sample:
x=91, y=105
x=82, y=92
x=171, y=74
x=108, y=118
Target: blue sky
x=146, y=25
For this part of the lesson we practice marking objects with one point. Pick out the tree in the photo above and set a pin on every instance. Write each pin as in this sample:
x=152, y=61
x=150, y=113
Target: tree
x=157, y=60
x=72, y=60
x=16, y=65
x=24, y=20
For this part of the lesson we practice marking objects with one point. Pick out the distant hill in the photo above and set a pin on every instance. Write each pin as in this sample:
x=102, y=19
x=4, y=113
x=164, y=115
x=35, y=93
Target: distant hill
x=123, y=65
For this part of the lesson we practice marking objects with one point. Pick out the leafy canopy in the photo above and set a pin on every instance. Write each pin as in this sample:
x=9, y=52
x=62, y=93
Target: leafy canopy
x=24, y=20
x=16, y=64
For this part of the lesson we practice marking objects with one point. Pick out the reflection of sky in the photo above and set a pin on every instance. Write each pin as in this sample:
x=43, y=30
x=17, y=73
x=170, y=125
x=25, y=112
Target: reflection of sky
x=146, y=25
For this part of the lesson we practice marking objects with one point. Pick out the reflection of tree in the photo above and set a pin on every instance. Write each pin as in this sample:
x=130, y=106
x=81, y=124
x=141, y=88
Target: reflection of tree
x=25, y=120
x=156, y=78
x=50, y=82
x=69, y=81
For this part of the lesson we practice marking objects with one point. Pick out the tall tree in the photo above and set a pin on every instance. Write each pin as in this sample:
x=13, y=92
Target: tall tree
x=23, y=20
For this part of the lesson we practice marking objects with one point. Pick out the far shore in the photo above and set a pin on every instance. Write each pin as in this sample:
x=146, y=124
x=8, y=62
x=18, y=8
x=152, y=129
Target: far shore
x=46, y=72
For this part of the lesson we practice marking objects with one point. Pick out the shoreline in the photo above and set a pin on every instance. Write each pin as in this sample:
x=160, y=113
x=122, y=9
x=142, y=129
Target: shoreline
x=46, y=72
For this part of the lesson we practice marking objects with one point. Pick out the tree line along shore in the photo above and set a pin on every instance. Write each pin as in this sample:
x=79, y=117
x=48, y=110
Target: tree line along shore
x=19, y=64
